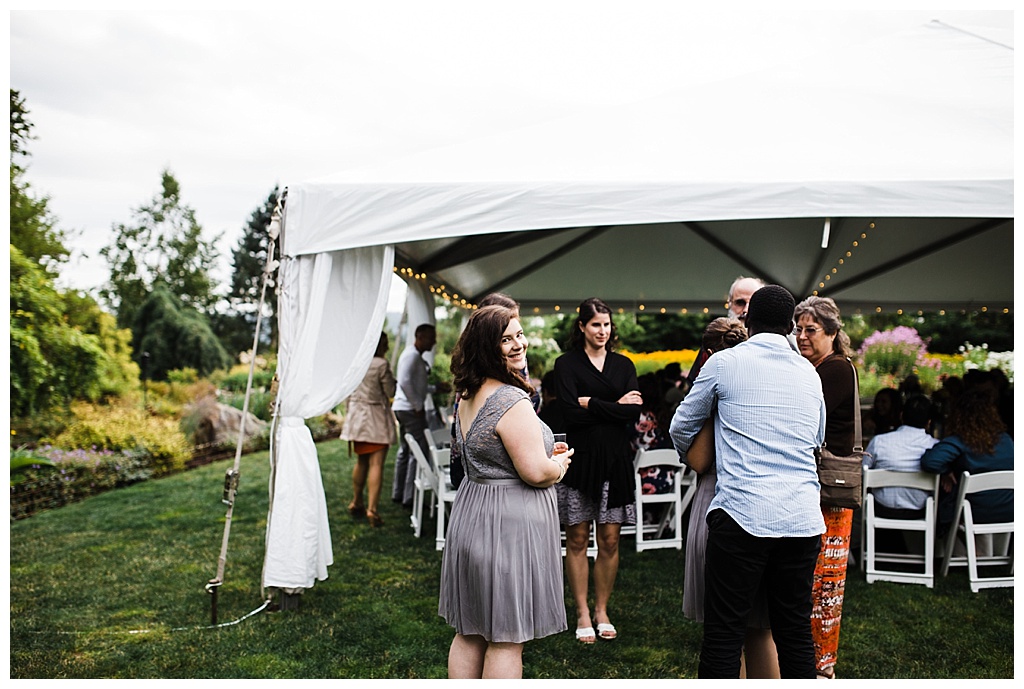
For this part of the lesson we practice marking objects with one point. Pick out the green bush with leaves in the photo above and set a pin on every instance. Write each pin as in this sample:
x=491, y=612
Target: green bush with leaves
x=51, y=362
x=118, y=374
x=158, y=440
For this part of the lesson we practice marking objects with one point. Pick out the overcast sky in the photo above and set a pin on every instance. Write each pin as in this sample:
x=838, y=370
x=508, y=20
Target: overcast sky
x=234, y=102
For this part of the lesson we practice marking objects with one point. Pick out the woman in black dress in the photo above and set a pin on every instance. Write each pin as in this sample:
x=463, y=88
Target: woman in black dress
x=598, y=391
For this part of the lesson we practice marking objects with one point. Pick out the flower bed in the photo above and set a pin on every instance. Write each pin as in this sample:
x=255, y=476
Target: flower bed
x=49, y=477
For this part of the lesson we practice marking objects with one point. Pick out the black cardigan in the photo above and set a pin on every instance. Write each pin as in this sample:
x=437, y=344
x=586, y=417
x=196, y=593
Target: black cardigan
x=601, y=433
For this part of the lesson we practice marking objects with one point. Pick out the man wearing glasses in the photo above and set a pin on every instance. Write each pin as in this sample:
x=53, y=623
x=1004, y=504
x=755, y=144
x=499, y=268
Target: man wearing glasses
x=739, y=296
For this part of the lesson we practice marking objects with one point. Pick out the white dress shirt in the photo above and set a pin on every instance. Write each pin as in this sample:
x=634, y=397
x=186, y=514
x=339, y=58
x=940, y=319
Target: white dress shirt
x=899, y=450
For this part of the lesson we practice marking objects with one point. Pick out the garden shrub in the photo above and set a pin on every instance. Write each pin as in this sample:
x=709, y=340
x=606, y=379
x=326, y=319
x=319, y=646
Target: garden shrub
x=127, y=430
x=236, y=381
x=893, y=352
x=259, y=403
x=49, y=477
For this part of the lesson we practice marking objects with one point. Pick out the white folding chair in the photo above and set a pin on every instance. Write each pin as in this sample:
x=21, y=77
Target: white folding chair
x=445, y=492
x=871, y=556
x=963, y=523
x=440, y=437
x=650, y=536
x=425, y=482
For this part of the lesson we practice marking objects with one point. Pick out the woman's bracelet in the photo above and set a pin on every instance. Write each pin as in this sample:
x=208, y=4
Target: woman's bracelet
x=561, y=470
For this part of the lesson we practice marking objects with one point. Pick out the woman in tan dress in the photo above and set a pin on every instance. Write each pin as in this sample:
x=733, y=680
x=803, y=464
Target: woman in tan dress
x=370, y=427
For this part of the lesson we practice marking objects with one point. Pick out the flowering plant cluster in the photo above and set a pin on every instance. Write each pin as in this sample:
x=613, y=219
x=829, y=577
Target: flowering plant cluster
x=895, y=352
x=979, y=357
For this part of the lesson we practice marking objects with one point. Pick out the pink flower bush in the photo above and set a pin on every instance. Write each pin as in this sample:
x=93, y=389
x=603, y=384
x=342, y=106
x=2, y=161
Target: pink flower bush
x=895, y=352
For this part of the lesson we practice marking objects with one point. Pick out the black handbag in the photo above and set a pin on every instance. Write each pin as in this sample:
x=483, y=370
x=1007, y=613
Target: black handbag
x=840, y=477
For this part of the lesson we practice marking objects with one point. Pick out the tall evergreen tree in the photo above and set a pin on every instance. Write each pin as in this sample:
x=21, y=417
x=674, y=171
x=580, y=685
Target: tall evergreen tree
x=176, y=336
x=249, y=259
x=162, y=246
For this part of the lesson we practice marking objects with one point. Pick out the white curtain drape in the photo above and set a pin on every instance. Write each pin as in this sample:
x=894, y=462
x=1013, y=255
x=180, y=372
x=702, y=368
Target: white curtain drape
x=332, y=307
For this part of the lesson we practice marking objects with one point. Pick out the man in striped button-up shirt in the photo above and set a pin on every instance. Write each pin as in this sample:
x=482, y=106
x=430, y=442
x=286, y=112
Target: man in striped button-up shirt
x=764, y=523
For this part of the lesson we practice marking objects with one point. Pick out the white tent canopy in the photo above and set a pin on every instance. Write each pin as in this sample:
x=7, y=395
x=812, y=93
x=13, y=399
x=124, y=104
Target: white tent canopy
x=902, y=147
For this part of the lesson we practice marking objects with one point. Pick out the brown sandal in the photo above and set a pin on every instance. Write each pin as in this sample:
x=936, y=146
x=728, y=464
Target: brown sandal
x=374, y=519
x=356, y=511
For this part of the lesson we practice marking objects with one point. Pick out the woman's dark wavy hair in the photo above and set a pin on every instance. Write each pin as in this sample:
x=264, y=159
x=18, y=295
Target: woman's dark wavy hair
x=477, y=355
x=587, y=310
x=975, y=418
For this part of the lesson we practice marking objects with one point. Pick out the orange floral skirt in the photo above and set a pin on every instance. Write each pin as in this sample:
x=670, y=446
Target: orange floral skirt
x=830, y=585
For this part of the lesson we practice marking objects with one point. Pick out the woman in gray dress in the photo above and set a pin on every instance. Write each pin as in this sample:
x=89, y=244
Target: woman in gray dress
x=501, y=573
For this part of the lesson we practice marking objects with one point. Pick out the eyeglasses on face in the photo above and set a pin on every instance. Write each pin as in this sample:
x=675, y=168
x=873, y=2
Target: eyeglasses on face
x=809, y=331
x=739, y=302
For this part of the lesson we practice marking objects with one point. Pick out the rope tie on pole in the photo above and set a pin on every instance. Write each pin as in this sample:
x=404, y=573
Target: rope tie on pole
x=231, y=477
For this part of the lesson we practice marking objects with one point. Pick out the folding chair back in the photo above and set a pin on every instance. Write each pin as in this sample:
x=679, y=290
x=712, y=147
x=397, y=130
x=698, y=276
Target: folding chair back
x=963, y=523
x=871, y=555
x=654, y=535
x=424, y=483
x=445, y=492
x=440, y=437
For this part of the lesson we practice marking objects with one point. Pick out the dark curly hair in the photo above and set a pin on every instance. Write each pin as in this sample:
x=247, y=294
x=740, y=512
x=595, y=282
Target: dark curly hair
x=975, y=419
x=723, y=333
x=477, y=355
x=587, y=310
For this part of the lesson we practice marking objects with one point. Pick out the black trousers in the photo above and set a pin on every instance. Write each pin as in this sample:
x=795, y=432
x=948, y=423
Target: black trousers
x=736, y=564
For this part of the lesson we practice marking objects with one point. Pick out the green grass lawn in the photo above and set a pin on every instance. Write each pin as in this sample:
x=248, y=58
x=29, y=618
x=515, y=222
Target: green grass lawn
x=113, y=587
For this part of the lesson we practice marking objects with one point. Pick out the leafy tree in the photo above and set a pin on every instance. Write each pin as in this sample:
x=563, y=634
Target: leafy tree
x=248, y=259
x=51, y=361
x=33, y=226
x=162, y=246
x=176, y=336
x=118, y=374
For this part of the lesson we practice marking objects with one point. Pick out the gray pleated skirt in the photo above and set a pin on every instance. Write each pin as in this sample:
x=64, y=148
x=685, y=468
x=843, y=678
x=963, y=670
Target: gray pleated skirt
x=501, y=572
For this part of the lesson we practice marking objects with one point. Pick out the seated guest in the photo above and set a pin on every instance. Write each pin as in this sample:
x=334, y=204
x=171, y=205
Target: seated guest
x=651, y=432
x=901, y=450
x=978, y=443
x=885, y=412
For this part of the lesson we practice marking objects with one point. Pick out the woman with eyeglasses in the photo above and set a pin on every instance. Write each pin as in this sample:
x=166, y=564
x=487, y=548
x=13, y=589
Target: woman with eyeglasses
x=821, y=340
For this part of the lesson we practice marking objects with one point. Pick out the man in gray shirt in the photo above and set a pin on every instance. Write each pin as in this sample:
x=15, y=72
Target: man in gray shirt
x=410, y=410
x=764, y=523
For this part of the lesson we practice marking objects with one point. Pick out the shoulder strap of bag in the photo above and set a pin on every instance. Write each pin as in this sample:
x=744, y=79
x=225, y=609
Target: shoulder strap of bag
x=858, y=440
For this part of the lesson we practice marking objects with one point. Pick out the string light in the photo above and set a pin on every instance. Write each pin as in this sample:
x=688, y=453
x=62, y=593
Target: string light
x=834, y=270
x=439, y=289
